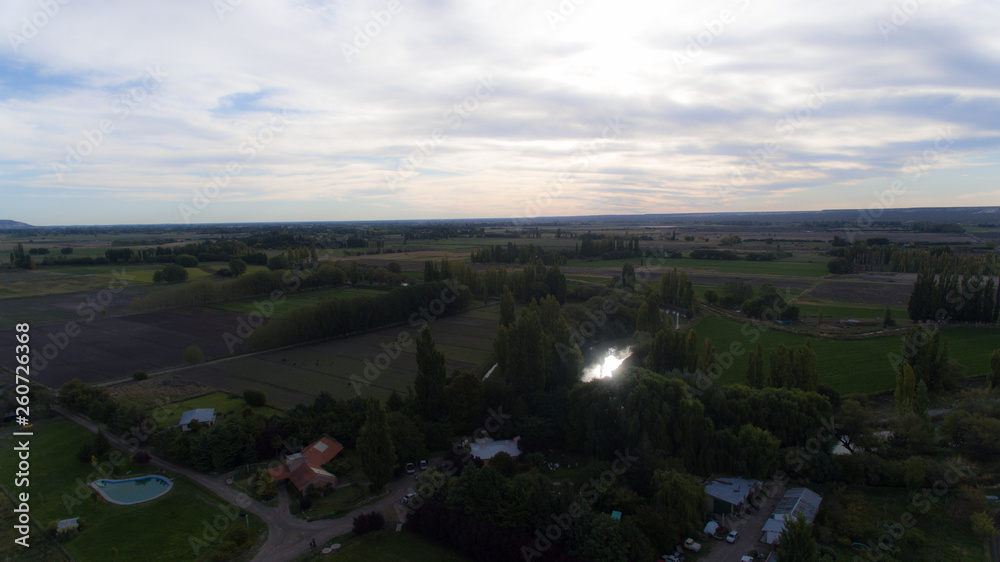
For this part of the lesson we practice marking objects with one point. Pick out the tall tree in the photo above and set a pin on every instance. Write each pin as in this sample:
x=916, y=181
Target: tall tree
x=906, y=387
x=682, y=496
x=797, y=542
x=994, y=381
x=506, y=307
x=755, y=368
x=465, y=400
x=378, y=455
x=431, y=374
x=628, y=277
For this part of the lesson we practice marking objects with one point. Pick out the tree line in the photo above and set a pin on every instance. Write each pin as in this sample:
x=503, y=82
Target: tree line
x=954, y=297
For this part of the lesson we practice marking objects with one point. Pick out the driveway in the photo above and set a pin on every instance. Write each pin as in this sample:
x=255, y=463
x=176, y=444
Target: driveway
x=287, y=536
x=750, y=529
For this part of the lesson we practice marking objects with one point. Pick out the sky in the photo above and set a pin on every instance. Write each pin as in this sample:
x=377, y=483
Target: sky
x=205, y=111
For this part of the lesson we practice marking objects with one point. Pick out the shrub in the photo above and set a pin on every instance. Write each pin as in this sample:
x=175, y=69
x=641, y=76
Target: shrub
x=368, y=522
x=186, y=260
x=193, y=355
x=140, y=376
x=141, y=457
x=254, y=398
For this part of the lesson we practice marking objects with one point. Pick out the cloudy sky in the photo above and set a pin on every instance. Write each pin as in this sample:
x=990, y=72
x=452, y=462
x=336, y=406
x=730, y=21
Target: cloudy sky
x=197, y=111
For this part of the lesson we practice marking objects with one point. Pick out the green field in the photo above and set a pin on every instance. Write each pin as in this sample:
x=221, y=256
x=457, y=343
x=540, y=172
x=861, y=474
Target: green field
x=78, y=278
x=298, y=374
x=404, y=546
x=111, y=530
x=799, y=267
x=860, y=365
x=296, y=300
x=225, y=405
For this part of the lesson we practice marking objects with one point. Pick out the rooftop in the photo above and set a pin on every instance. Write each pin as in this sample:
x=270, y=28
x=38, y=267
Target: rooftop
x=204, y=415
x=796, y=501
x=730, y=490
x=488, y=449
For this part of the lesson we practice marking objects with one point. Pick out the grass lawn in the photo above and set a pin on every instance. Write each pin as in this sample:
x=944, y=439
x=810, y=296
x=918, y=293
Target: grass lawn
x=404, y=546
x=41, y=548
x=224, y=404
x=834, y=312
x=162, y=526
x=846, y=365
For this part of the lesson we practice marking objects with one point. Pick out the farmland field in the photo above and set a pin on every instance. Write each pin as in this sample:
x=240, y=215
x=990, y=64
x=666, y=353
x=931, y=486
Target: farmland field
x=294, y=301
x=298, y=374
x=848, y=366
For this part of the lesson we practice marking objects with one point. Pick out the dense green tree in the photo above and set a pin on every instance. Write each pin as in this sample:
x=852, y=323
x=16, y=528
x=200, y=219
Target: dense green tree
x=465, y=401
x=914, y=473
x=237, y=266
x=711, y=296
x=172, y=273
x=378, y=456
x=797, y=542
x=983, y=526
x=407, y=439
x=854, y=426
x=759, y=451
x=628, y=277
x=506, y=307
x=430, y=380
x=994, y=378
x=780, y=368
x=682, y=496
x=707, y=359
x=755, y=368
x=193, y=355
x=599, y=538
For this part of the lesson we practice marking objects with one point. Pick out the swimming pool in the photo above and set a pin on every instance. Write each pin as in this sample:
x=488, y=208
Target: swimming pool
x=133, y=490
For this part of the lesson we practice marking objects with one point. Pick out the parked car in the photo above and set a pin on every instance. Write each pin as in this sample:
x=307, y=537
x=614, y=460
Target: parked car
x=732, y=536
x=746, y=558
x=409, y=496
x=673, y=558
x=410, y=468
x=423, y=465
x=691, y=545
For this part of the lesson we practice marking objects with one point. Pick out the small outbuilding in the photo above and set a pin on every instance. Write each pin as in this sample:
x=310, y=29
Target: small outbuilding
x=201, y=415
x=68, y=525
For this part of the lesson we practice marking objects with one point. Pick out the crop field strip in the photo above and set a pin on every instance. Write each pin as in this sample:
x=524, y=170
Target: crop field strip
x=855, y=365
x=298, y=374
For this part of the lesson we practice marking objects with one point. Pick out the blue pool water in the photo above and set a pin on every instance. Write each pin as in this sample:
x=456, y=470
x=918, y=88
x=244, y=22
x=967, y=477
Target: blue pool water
x=133, y=490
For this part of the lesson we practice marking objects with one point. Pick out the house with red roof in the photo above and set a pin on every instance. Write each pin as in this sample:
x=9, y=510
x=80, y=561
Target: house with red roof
x=304, y=469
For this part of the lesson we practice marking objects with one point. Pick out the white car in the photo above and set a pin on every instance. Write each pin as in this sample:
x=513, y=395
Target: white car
x=423, y=465
x=745, y=558
x=410, y=468
x=409, y=496
x=732, y=536
x=691, y=545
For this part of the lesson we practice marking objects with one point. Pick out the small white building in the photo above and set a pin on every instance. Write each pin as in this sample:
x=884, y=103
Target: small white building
x=202, y=415
x=486, y=449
